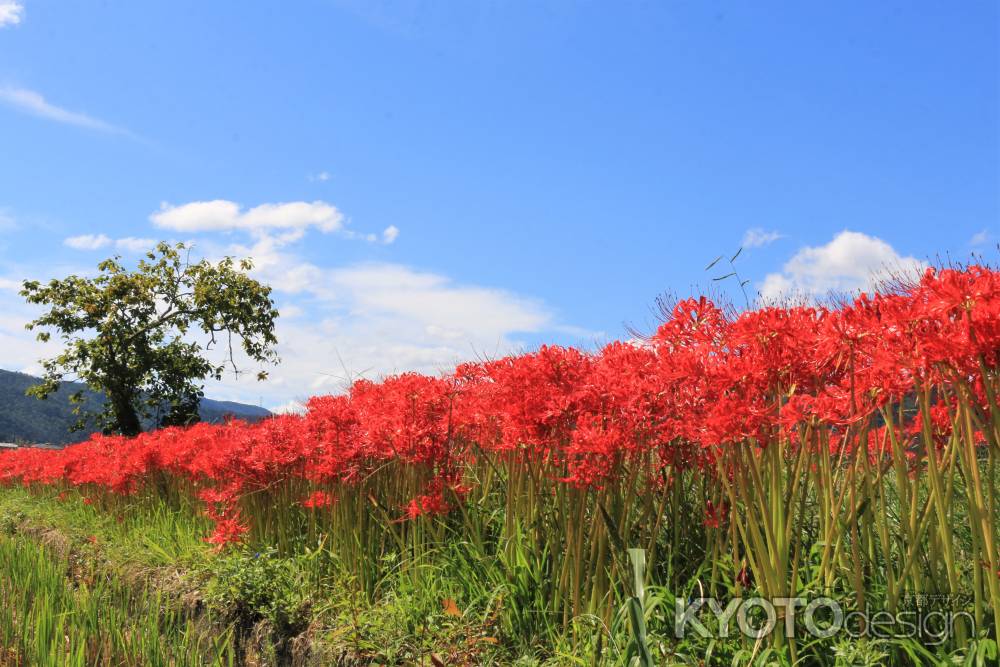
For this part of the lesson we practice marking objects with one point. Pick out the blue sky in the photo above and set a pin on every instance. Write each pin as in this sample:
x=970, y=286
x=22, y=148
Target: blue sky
x=425, y=181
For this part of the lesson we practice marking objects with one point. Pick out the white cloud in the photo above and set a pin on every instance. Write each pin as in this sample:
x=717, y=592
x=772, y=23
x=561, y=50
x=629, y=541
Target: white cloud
x=322, y=177
x=372, y=319
x=852, y=261
x=7, y=222
x=33, y=103
x=19, y=350
x=98, y=241
x=757, y=237
x=272, y=224
x=980, y=238
x=88, y=242
x=382, y=290
x=133, y=244
x=11, y=12
x=292, y=407
x=430, y=299
x=387, y=237
x=222, y=215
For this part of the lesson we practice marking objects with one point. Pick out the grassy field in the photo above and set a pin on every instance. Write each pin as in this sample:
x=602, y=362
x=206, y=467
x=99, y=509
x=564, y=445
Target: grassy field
x=141, y=587
x=137, y=584
x=61, y=604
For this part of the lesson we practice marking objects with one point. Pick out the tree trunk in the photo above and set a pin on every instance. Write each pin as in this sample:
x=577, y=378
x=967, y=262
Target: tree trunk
x=126, y=419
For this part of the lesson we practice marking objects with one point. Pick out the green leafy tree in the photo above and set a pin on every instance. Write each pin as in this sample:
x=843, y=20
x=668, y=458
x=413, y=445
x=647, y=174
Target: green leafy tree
x=130, y=334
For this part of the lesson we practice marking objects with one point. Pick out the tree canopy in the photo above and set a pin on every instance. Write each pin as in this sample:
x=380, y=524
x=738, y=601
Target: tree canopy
x=143, y=337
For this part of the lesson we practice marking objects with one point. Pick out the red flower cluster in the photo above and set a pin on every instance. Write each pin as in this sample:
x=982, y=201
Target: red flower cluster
x=703, y=382
x=317, y=500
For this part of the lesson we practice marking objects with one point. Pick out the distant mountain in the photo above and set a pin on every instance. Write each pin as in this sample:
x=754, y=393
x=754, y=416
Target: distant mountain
x=29, y=420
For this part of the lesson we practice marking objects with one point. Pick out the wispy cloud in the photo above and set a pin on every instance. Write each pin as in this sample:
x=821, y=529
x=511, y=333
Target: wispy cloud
x=292, y=407
x=32, y=102
x=371, y=319
x=757, y=237
x=322, y=177
x=7, y=222
x=980, y=238
x=221, y=215
x=88, y=242
x=282, y=223
x=99, y=241
x=11, y=13
x=134, y=244
x=387, y=237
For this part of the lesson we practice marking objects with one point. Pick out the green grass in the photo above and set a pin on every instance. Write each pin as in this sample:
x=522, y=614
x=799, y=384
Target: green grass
x=258, y=592
x=93, y=572
x=145, y=534
x=55, y=613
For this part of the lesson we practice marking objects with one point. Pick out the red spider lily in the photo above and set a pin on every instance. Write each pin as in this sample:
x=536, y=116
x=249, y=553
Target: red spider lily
x=228, y=530
x=715, y=516
x=318, y=500
x=705, y=382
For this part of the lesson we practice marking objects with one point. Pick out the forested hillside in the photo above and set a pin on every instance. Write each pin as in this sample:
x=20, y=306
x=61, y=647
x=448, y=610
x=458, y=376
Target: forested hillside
x=27, y=419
